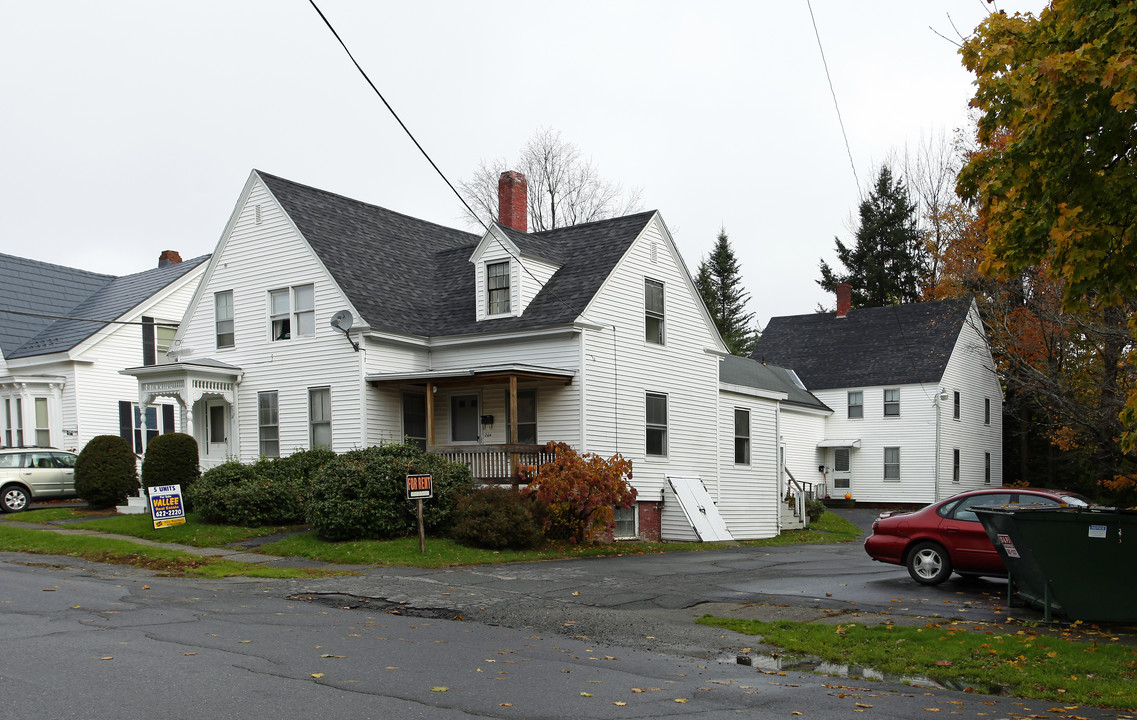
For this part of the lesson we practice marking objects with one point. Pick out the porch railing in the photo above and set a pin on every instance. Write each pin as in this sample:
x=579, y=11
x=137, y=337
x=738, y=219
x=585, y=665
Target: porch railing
x=495, y=463
x=797, y=492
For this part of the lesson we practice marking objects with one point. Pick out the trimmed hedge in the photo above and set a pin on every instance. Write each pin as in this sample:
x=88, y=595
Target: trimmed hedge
x=106, y=471
x=362, y=494
x=498, y=518
x=171, y=459
x=272, y=491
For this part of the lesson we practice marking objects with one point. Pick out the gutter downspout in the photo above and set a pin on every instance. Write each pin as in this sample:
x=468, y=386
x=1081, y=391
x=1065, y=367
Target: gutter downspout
x=936, y=465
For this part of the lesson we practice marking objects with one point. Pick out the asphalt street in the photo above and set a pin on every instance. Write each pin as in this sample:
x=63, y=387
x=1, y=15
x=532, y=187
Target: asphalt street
x=597, y=637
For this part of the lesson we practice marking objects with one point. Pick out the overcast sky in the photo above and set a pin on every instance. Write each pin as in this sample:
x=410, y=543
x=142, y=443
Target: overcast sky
x=129, y=128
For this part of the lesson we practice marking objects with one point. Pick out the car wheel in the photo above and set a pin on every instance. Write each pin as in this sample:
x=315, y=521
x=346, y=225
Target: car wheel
x=13, y=498
x=929, y=564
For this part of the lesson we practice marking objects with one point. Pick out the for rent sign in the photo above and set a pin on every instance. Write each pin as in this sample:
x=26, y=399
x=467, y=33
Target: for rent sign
x=166, y=506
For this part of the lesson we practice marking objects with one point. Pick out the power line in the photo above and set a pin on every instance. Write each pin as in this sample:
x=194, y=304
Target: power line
x=832, y=92
x=432, y=163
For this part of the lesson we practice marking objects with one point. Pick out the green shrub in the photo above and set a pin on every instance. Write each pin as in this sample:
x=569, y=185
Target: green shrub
x=171, y=459
x=814, y=509
x=362, y=494
x=271, y=491
x=497, y=518
x=106, y=471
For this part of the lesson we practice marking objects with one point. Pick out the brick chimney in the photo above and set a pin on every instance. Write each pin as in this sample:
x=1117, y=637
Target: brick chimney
x=169, y=257
x=512, y=208
x=844, y=299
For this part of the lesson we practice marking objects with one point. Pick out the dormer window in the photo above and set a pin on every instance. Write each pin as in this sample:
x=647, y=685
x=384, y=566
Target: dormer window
x=497, y=288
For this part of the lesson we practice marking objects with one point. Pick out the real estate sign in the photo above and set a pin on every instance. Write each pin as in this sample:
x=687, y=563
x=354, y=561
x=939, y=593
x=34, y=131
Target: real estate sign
x=166, y=506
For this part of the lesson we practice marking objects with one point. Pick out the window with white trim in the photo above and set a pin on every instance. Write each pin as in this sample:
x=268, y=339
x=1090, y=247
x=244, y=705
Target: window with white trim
x=987, y=468
x=741, y=436
x=625, y=522
x=320, y=417
x=656, y=425
x=7, y=422
x=223, y=318
x=841, y=459
x=986, y=411
x=43, y=432
x=892, y=463
x=268, y=424
x=955, y=465
x=497, y=288
x=955, y=406
x=292, y=312
x=892, y=402
x=856, y=404
x=653, y=311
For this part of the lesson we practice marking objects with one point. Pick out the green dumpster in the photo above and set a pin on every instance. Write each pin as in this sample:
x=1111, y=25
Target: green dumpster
x=1080, y=562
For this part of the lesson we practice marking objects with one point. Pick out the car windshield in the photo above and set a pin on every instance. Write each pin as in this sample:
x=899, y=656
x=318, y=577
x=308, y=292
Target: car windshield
x=1075, y=500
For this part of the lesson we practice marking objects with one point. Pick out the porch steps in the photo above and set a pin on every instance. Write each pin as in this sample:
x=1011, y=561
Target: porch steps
x=790, y=520
x=134, y=506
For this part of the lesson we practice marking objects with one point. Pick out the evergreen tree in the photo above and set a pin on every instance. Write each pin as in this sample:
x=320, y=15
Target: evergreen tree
x=719, y=282
x=888, y=265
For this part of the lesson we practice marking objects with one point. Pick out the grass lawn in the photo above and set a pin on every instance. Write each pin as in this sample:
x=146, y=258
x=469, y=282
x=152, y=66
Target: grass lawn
x=1079, y=665
x=440, y=552
x=124, y=552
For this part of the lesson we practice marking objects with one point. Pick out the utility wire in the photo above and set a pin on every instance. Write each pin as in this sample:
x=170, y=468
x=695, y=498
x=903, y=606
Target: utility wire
x=432, y=163
x=832, y=92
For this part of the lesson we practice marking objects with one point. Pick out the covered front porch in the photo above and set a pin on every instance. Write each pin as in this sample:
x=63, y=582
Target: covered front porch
x=486, y=417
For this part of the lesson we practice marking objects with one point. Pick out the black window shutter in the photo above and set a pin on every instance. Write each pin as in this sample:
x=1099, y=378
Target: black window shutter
x=167, y=418
x=148, y=354
x=126, y=421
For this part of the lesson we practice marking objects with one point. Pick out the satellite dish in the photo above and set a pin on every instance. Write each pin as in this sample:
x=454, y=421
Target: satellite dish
x=342, y=320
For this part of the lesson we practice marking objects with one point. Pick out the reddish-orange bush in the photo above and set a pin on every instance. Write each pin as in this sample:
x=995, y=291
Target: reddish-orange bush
x=581, y=491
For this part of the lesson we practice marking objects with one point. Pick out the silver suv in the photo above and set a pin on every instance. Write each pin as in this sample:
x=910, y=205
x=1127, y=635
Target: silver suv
x=28, y=474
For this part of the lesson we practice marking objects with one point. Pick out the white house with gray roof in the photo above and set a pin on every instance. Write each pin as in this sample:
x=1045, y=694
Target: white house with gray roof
x=917, y=404
x=325, y=321
x=65, y=334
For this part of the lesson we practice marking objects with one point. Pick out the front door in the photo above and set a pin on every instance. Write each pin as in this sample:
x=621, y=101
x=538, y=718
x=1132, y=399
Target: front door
x=216, y=429
x=842, y=477
x=464, y=419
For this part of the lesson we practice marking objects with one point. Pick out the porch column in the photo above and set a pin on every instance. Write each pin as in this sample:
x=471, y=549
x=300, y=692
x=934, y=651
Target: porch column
x=514, y=457
x=429, y=414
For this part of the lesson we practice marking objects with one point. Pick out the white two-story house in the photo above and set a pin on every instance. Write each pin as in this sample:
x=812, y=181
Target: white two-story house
x=65, y=334
x=917, y=404
x=325, y=321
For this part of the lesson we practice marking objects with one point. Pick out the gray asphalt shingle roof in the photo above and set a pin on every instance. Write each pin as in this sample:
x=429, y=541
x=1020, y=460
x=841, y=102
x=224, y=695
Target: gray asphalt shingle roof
x=56, y=290
x=893, y=345
x=412, y=276
x=751, y=373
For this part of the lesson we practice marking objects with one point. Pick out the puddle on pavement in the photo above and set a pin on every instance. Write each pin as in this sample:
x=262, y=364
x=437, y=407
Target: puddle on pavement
x=768, y=664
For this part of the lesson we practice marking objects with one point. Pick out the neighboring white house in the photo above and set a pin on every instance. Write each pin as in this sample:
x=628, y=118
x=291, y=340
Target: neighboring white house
x=917, y=405
x=325, y=321
x=65, y=335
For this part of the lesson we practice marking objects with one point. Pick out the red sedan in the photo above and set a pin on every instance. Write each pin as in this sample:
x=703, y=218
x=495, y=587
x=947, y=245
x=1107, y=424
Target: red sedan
x=947, y=536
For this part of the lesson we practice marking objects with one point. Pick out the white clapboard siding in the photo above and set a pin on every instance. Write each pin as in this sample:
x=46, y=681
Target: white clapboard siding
x=748, y=493
x=620, y=368
x=251, y=260
x=970, y=372
x=801, y=430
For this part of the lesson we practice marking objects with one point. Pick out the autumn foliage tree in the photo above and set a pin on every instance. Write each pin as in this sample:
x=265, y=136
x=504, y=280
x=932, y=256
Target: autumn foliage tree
x=1055, y=174
x=580, y=492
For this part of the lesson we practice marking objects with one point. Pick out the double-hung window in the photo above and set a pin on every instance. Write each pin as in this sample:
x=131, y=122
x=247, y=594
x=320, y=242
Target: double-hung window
x=292, y=312
x=223, y=318
x=955, y=465
x=955, y=406
x=653, y=312
x=656, y=425
x=856, y=404
x=741, y=436
x=497, y=288
x=892, y=402
x=43, y=432
x=892, y=463
x=268, y=424
x=986, y=411
x=320, y=417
